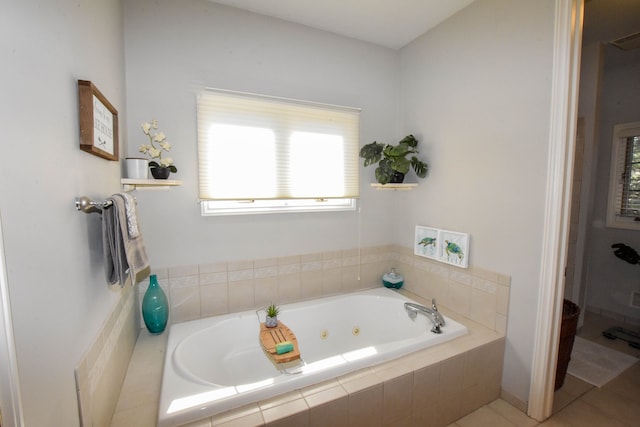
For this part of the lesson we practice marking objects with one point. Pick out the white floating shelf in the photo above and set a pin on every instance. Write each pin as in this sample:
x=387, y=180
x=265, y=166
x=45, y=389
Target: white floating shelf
x=390, y=186
x=132, y=184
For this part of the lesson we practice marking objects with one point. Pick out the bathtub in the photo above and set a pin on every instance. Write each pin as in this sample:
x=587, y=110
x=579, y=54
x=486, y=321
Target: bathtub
x=216, y=364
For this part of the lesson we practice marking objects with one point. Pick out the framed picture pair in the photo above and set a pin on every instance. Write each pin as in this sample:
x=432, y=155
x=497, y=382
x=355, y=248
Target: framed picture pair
x=445, y=246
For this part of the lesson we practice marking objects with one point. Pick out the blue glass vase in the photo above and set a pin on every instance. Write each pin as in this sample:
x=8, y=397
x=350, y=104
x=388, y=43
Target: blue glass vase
x=155, y=308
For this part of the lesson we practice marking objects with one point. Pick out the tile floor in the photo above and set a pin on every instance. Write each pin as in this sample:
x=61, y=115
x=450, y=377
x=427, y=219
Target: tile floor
x=577, y=403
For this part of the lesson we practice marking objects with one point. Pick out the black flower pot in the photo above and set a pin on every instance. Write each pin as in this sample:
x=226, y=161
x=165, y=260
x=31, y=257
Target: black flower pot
x=160, y=173
x=396, y=178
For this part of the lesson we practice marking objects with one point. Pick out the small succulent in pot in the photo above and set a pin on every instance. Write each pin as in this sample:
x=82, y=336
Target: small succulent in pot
x=272, y=316
x=393, y=162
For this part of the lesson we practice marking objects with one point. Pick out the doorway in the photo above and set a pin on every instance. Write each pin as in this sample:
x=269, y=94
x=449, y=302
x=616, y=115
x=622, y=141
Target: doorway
x=589, y=240
x=600, y=105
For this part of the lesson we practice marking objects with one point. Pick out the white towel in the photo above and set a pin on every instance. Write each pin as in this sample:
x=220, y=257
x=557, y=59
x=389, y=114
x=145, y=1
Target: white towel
x=125, y=255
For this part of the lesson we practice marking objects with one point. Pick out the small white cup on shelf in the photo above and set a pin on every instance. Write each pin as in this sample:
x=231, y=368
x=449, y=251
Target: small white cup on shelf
x=136, y=168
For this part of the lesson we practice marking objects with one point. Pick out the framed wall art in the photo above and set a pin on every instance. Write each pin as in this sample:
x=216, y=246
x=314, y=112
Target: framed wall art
x=454, y=248
x=445, y=246
x=98, y=122
x=426, y=242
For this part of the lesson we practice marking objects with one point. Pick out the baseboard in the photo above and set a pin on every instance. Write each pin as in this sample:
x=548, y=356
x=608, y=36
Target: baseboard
x=514, y=401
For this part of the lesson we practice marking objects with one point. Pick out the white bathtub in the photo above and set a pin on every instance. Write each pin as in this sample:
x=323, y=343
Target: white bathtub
x=216, y=364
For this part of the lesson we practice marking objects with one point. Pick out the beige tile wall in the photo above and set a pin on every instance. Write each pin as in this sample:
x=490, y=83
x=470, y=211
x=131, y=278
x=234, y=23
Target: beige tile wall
x=204, y=290
x=475, y=293
x=429, y=387
x=416, y=390
x=102, y=369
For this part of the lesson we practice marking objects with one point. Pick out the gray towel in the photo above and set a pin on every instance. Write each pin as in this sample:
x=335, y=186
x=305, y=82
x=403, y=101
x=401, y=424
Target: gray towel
x=125, y=256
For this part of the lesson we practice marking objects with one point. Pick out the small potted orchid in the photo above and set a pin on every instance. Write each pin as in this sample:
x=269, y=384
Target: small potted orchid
x=160, y=167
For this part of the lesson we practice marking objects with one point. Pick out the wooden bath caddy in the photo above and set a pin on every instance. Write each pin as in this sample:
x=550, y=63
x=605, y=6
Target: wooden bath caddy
x=269, y=337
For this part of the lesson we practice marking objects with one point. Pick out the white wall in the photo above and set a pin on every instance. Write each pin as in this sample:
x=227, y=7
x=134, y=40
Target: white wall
x=175, y=48
x=57, y=286
x=476, y=91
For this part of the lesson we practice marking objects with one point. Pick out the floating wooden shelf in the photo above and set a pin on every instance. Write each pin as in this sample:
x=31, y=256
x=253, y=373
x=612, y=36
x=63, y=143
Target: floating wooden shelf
x=134, y=184
x=408, y=186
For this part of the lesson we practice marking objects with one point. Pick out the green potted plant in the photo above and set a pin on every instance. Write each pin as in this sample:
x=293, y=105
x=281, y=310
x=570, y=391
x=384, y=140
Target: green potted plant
x=393, y=162
x=272, y=316
x=160, y=167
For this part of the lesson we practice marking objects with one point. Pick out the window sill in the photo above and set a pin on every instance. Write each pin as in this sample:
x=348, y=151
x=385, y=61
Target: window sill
x=626, y=223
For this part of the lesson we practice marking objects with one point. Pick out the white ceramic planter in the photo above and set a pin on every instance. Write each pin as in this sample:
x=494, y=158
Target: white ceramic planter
x=136, y=168
x=271, y=322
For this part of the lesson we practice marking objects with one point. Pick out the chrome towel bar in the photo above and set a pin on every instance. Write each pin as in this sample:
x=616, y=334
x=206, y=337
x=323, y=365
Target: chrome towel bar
x=87, y=205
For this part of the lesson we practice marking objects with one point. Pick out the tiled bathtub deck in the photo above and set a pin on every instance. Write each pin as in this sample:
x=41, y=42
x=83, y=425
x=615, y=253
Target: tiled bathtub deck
x=435, y=387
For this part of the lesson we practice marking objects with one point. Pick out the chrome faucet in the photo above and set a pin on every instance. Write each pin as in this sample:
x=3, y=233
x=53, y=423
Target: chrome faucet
x=432, y=314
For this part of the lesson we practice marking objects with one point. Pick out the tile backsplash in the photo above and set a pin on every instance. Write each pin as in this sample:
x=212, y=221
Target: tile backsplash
x=102, y=369
x=203, y=290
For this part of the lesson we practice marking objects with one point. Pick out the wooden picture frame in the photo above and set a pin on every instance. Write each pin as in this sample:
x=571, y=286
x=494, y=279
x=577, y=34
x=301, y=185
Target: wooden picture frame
x=98, y=122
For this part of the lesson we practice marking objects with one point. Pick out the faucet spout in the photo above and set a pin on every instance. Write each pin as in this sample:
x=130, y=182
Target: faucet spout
x=431, y=313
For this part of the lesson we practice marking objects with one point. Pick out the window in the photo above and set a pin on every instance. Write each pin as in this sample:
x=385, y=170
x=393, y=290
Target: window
x=623, y=209
x=264, y=154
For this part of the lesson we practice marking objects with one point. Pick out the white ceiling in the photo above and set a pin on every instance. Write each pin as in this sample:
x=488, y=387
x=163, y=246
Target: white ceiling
x=390, y=23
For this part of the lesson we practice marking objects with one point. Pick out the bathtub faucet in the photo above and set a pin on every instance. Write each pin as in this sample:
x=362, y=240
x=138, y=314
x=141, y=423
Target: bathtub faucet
x=432, y=314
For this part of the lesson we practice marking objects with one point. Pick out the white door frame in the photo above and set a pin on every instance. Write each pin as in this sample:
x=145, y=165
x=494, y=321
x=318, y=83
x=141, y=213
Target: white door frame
x=562, y=130
x=10, y=401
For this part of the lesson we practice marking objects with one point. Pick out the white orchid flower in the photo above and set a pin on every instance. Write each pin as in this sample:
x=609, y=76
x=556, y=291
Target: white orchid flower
x=159, y=137
x=155, y=151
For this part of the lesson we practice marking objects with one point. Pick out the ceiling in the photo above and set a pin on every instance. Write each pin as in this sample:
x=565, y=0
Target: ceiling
x=395, y=23
x=389, y=23
x=606, y=20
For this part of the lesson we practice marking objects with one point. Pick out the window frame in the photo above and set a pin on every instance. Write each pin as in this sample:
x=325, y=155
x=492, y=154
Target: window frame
x=617, y=180
x=254, y=207
x=208, y=109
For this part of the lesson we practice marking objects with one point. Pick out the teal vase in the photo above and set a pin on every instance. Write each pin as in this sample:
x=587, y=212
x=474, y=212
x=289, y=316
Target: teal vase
x=155, y=309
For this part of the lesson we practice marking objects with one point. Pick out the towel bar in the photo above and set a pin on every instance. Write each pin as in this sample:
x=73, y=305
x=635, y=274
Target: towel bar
x=87, y=205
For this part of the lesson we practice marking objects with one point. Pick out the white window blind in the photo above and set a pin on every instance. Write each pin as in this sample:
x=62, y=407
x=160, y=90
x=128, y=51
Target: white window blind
x=623, y=209
x=253, y=147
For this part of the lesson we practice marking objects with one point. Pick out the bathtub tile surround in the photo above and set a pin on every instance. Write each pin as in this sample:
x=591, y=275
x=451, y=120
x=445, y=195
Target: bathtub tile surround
x=362, y=393
x=434, y=387
x=137, y=405
x=102, y=369
x=197, y=291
